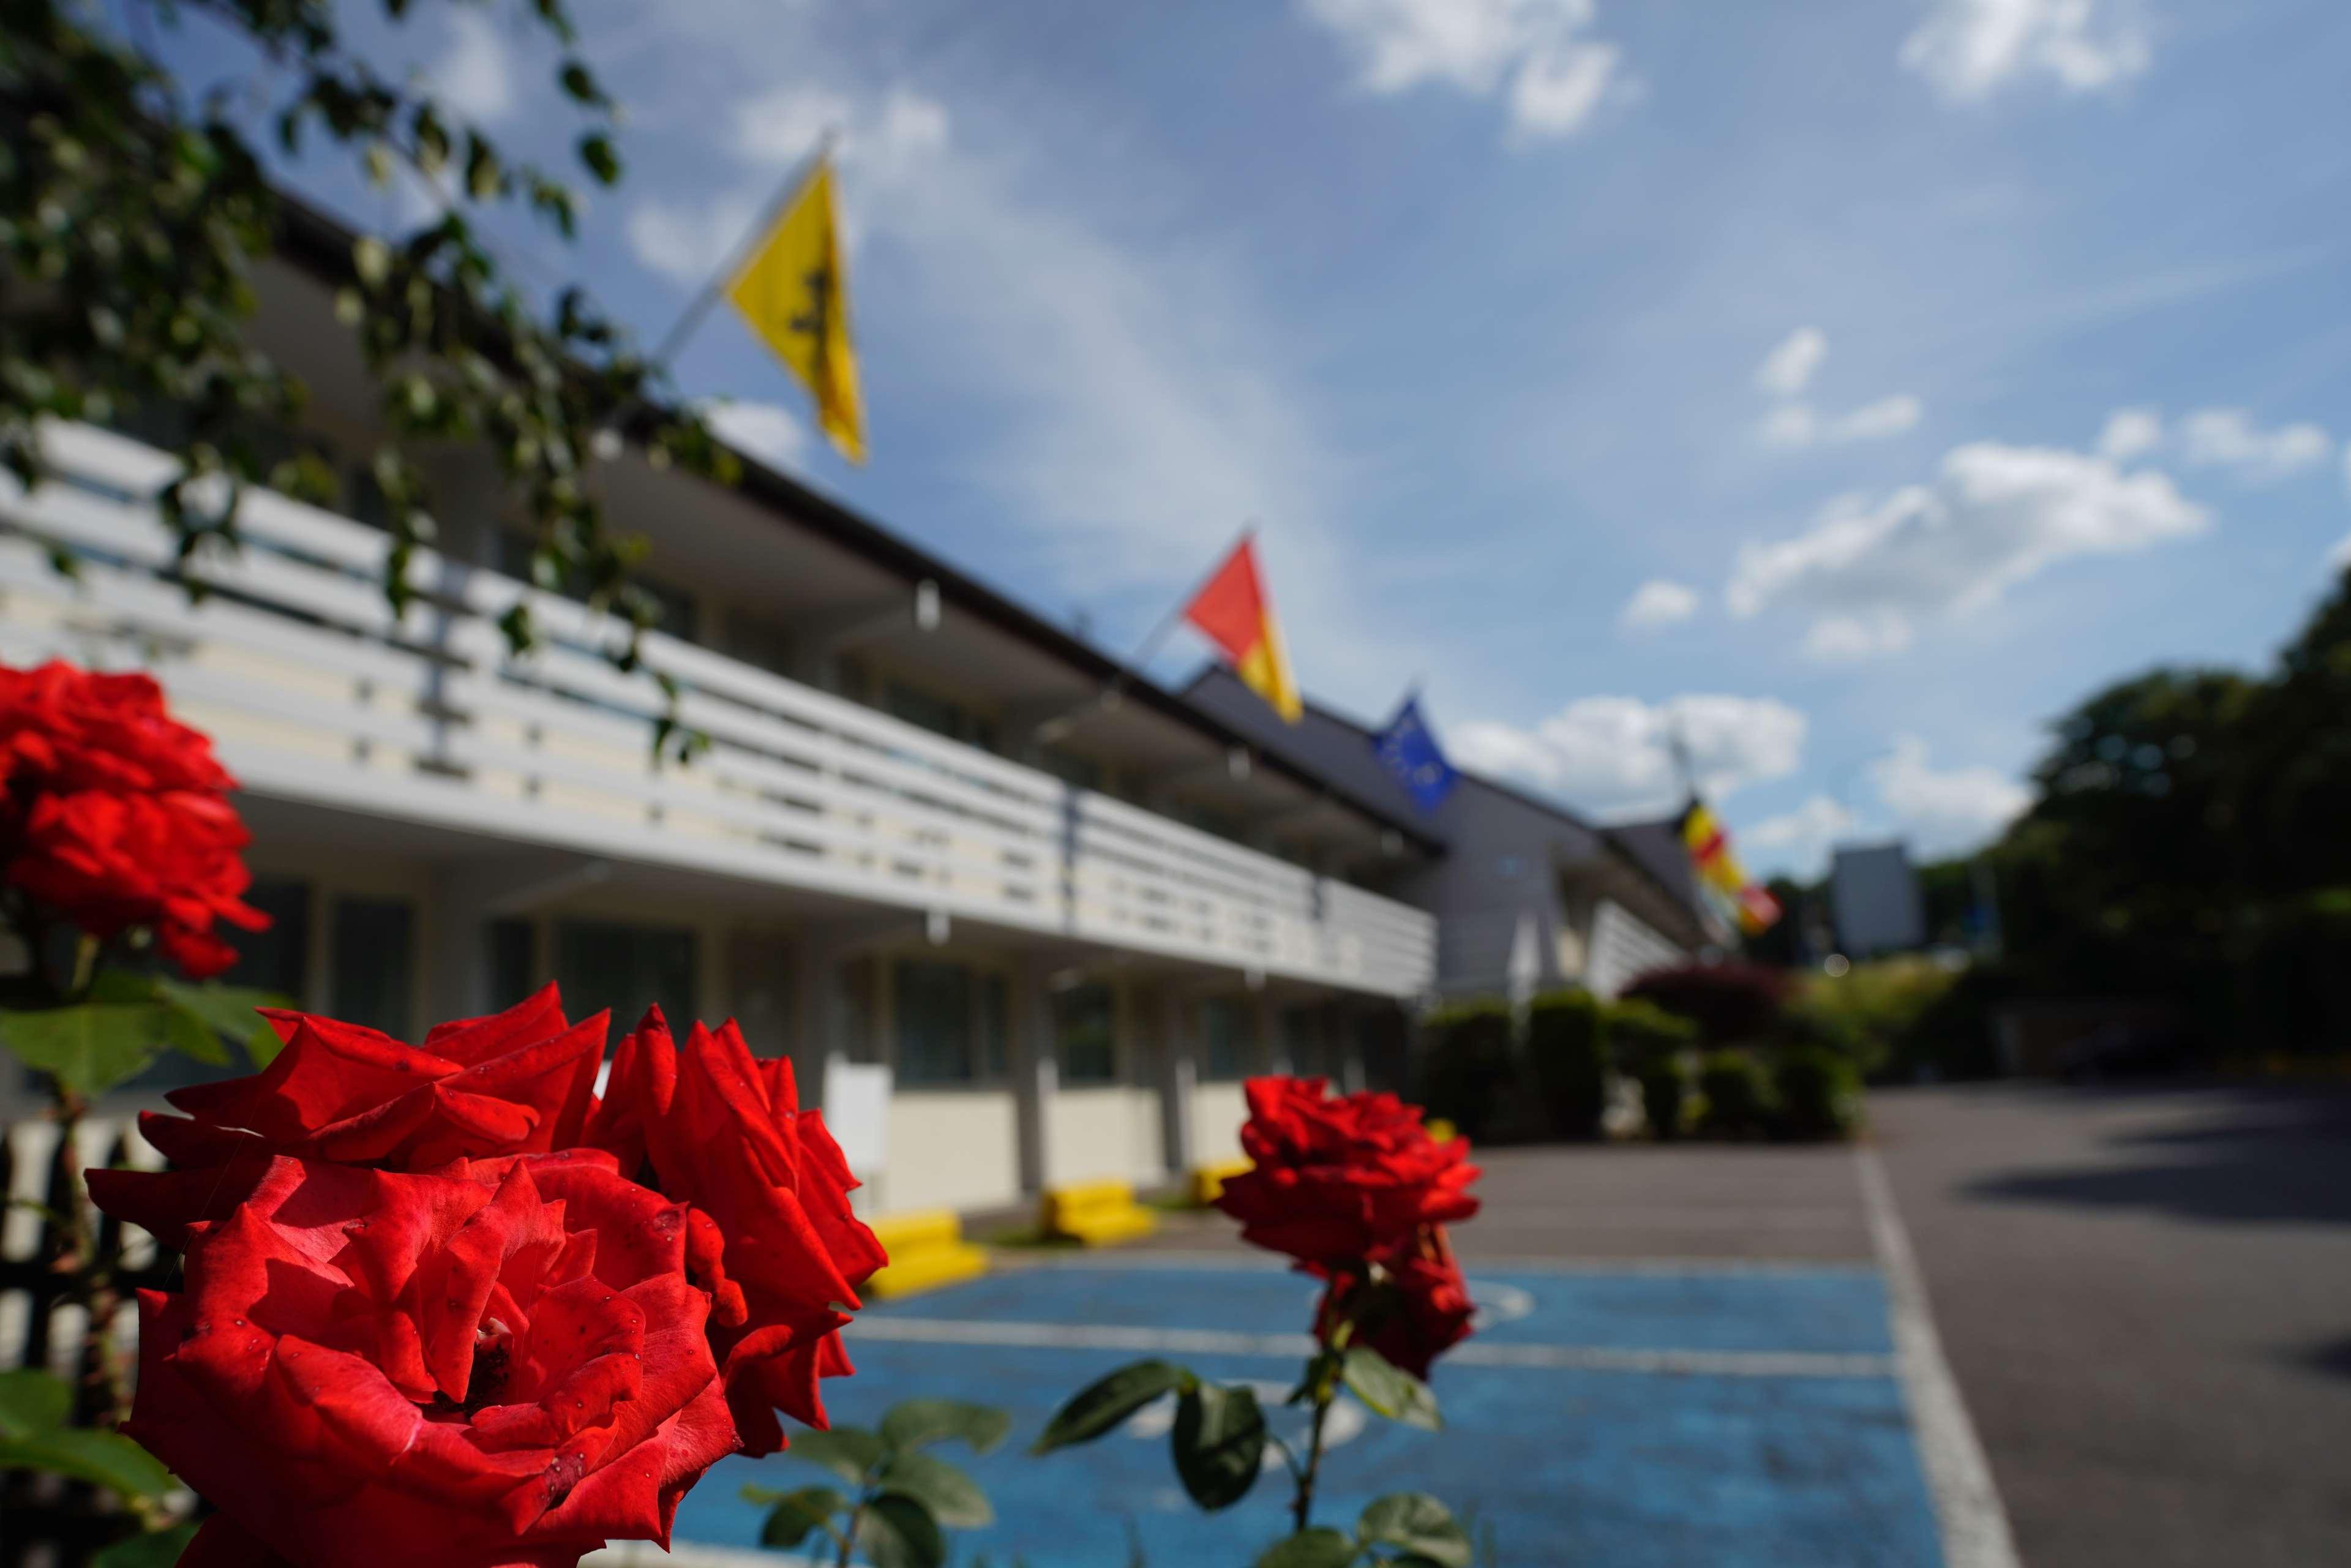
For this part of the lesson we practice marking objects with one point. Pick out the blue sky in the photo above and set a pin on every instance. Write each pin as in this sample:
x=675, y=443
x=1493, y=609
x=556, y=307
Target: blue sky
x=1858, y=382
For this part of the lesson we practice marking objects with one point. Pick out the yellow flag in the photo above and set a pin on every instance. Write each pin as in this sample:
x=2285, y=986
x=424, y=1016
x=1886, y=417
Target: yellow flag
x=794, y=294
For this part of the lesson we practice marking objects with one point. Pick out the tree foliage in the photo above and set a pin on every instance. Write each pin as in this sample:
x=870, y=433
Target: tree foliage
x=133, y=221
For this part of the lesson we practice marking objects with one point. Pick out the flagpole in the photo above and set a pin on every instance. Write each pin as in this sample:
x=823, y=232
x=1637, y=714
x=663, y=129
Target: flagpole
x=698, y=308
x=1054, y=728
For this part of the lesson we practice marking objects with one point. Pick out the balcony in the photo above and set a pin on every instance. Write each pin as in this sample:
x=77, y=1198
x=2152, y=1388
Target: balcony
x=319, y=693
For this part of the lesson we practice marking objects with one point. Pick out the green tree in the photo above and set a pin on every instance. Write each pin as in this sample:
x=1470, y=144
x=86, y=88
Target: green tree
x=131, y=222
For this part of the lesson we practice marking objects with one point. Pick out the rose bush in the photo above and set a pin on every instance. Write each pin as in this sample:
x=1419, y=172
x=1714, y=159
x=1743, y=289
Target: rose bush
x=714, y=1127
x=1355, y=1190
x=498, y=1365
x=514, y=1083
x=1335, y=1180
x=115, y=816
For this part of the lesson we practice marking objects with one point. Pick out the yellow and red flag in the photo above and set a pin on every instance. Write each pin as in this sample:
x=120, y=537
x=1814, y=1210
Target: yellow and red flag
x=1722, y=877
x=794, y=293
x=1235, y=612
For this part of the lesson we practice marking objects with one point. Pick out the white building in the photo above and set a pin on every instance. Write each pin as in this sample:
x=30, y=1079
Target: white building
x=1069, y=955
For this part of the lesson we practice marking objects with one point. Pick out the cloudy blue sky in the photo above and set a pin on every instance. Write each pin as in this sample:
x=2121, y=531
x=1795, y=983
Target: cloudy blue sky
x=1856, y=382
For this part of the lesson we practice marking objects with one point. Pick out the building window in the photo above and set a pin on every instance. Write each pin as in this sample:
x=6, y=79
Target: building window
x=1301, y=1044
x=373, y=963
x=1085, y=1034
x=514, y=961
x=277, y=960
x=940, y=1012
x=940, y=715
x=1228, y=1040
x=995, y=1026
x=603, y=964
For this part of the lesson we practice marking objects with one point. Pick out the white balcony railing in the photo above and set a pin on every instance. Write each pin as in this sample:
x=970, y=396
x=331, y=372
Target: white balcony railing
x=316, y=691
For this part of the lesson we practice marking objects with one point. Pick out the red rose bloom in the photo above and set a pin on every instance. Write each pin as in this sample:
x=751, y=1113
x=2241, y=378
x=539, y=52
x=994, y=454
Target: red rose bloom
x=115, y=816
x=515, y=1083
x=499, y=1366
x=712, y=1126
x=1337, y=1180
x=1412, y=1308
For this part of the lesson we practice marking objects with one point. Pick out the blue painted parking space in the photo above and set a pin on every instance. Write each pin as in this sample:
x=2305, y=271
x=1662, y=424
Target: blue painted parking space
x=1791, y=1446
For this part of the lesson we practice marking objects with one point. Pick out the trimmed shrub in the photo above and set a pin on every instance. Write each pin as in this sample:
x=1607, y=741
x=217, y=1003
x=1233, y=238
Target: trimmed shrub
x=1640, y=1031
x=1731, y=1004
x=1817, y=1093
x=1869, y=1015
x=1737, y=1094
x=1568, y=1051
x=1665, y=1094
x=1467, y=1064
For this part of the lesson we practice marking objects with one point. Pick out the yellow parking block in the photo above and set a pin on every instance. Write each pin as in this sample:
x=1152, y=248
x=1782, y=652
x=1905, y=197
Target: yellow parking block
x=926, y=1251
x=1098, y=1213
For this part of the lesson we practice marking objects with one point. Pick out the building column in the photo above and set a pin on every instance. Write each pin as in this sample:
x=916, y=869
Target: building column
x=1036, y=1075
x=1179, y=1072
x=1272, y=1049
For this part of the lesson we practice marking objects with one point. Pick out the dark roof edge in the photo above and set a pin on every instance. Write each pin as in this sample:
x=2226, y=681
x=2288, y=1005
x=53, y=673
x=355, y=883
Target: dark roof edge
x=323, y=245
x=1605, y=834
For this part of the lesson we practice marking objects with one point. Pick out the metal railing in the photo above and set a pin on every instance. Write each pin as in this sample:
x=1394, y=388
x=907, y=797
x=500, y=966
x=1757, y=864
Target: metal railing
x=315, y=690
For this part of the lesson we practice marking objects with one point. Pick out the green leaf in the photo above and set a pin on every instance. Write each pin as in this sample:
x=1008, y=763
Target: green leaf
x=1102, y=1404
x=156, y=1549
x=596, y=152
x=31, y=1402
x=89, y=1049
x=1321, y=1547
x=1219, y=1444
x=896, y=1533
x=233, y=1011
x=848, y=1452
x=947, y=1494
x=103, y=1459
x=1389, y=1389
x=1418, y=1524
x=124, y=987
x=795, y=1513
x=917, y=1423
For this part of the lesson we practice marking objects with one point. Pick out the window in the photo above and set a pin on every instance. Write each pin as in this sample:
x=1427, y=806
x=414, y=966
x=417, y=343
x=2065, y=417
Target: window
x=514, y=961
x=1085, y=1034
x=1301, y=1044
x=277, y=960
x=1228, y=1038
x=939, y=714
x=373, y=963
x=603, y=963
x=952, y=1024
x=1082, y=772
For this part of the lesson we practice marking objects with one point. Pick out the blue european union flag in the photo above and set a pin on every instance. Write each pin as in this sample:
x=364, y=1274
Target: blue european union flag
x=1408, y=751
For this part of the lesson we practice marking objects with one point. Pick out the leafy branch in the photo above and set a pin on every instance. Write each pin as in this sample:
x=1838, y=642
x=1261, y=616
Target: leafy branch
x=902, y=1500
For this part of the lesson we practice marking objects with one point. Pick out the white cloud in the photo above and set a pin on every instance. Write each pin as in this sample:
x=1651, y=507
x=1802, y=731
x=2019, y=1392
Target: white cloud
x=1848, y=639
x=1949, y=810
x=2228, y=438
x=2340, y=556
x=1788, y=370
x=767, y=431
x=1658, y=602
x=1613, y=755
x=474, y=75
x=686, y=242
x=1535, y=52
x=2130, y=432
x=1886, y=416
x=1796, y=424
x=1970, y=49
x=1800, y=840
x=1992, y=516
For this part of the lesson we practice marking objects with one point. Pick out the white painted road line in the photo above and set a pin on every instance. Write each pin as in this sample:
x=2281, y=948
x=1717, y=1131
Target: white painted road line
x=1290, y=1346
x=1967, y=1502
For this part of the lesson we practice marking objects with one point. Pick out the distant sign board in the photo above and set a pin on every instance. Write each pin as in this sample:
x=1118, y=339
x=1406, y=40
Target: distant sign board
x=1875, y=894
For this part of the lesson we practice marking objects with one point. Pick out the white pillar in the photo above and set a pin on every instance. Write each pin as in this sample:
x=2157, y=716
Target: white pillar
x=1179, y=1072
x=1036, y=1075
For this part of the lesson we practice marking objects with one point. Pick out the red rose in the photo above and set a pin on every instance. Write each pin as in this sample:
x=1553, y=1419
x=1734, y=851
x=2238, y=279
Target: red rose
x=499, y=1366
x=115, y=816
x=1412, y=1306
x=515, y=1083
x=712, y=1126
x=1337, y=1180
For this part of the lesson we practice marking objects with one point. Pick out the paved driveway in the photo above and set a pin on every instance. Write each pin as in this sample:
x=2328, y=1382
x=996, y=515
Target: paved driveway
x=2146, y=1294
